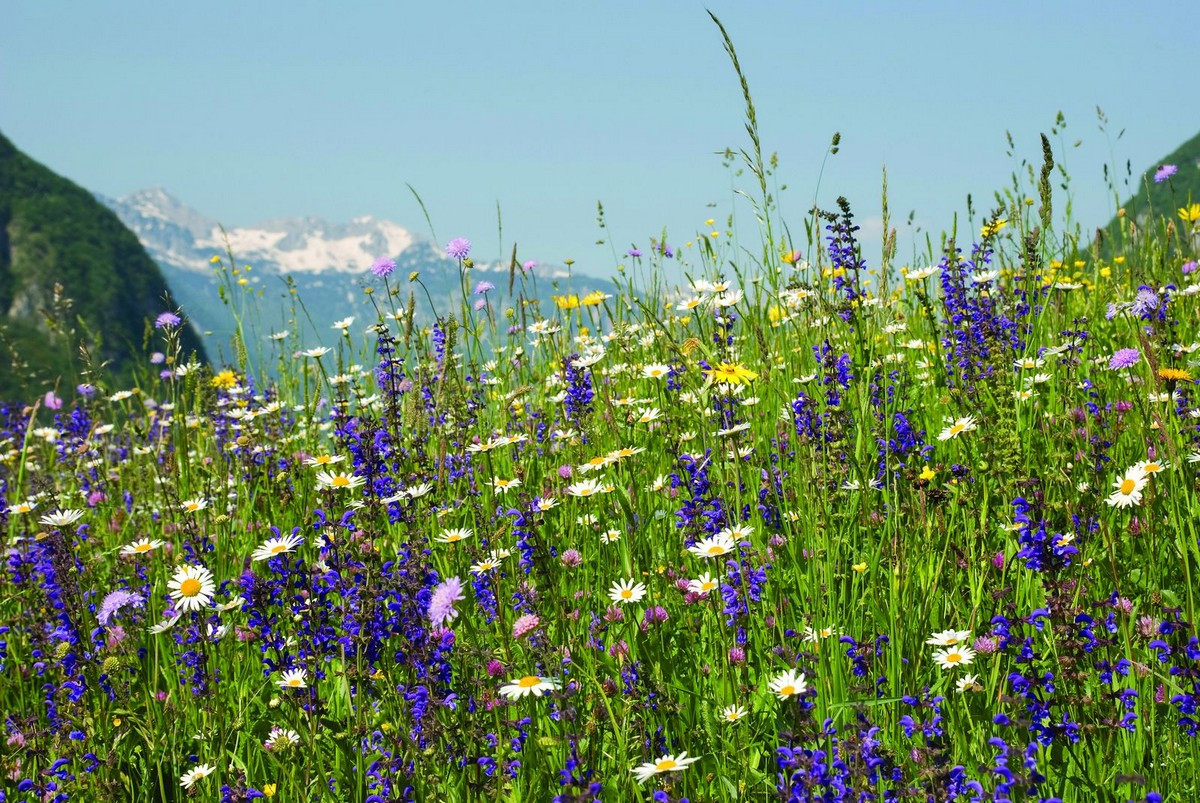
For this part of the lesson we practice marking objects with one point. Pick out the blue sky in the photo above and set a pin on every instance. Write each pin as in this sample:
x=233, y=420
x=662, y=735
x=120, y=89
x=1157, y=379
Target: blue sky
x=249, y=111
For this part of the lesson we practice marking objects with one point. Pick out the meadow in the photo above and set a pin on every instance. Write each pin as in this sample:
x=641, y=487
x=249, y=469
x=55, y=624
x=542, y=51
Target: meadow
x=798, y=528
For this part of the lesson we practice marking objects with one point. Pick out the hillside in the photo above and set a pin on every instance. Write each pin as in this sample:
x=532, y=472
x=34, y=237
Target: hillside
x=54, y=233
x=1161, y=199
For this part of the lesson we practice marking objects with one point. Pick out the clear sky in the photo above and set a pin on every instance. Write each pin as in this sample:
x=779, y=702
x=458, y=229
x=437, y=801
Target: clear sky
x=254, y=110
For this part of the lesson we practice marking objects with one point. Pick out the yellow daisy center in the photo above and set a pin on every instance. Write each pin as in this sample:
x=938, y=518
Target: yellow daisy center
x=529, y=681
x=1152, y=468
x=189, y=587
x=957, y=428
x=953, y=658
x=788, y=690
x=142, y=547
x=340, y=481
x=275, y=550
x=716, y=549
x=192, y=507
x=665, y=765
x=1127, y=486
x=294, y=682
x=626, y=593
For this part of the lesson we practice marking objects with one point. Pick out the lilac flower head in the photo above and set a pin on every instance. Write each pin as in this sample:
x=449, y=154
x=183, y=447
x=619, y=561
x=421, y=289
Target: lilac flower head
x=167, y=319
x=158, y=358
x=458, y=248
x=525, y=625
x=441, y=604
x=483, y=288
x=479, y=304
x=530, y=265
x=114, y=602
x=1164, y=172
x=52, y=401
x=1145, y=302
x=87, y=390
x=1124, y=358
x=634, y=252
x=1189, y=267
x=383, y=267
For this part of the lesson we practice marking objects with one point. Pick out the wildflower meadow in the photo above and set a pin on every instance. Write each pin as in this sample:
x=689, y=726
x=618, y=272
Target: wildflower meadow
x=797, y=527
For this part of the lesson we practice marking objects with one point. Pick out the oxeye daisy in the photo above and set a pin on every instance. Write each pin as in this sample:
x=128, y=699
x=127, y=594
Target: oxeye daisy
x=281, y=738
x=454, y=535
x=503, y=485
x=948, y=638
x=163, y=626
x=731, y=714
x=703, y=584
x=293, y=679
x=529, y=684
x=812, y=635
x=1151, y=467
x=585, y=488
x=713, y=547
x=655, y=370
x=957, y=427
x=193, y=505
x=61, y=518
x=192, y=587
x=664, y=764
x=624, y=592
x=967, y=683
x=595, y=464
x=339, y=481
x=1128, y=489
x=953, y=657
x=277, y=546
x=141, y=546
x=196, y=773
x=788, y=684
x=324, y=459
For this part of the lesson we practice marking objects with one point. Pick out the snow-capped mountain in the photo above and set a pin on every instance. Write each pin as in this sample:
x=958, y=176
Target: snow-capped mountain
x=326, y=264
x=178, y=234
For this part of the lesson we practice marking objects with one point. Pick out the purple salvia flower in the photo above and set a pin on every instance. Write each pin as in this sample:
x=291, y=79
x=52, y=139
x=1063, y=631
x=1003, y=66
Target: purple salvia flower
x=441, y=604
x=114, y=602
x=458, y=248
x=1124, y=358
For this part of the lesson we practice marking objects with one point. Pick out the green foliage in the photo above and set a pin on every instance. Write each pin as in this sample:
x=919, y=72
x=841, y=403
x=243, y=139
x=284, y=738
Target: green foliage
x=71, y=276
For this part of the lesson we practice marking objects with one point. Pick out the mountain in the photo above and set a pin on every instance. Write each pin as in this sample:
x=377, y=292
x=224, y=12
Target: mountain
x=70, y=274
x=323, y=266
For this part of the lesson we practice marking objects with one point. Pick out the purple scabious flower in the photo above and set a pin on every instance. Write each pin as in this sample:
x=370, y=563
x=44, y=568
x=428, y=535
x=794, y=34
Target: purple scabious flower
x=114, y=602
x=634, y=253
x=1188, y=267
x=383, y=267
x=441, y=604
x=167, y=319
x=458, y=248
x=483, y=288
x=1124, y=358
x=525, y=625
x=1145, y=302
x=1164, y=172
x=530, y=265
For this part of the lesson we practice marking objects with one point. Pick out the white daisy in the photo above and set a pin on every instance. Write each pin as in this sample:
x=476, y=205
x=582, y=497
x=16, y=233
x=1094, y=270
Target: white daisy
x=624, y=592
x=788, y=684
x=664, y=764
x=529, y=684
x=196, y=773
x=277, y=546
x=192, y=587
